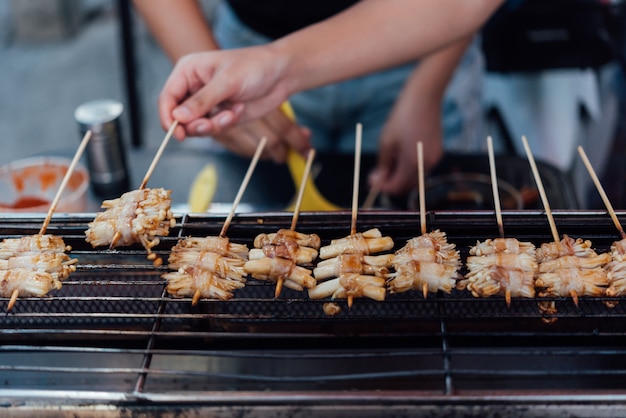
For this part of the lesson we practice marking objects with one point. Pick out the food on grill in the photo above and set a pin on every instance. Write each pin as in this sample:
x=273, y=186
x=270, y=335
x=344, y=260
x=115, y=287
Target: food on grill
x=280, y=258
x=331, y=309
x=218, y=245
x=278, y=268
x=428, y=263
x=570, y=267
x=355, y=272
x=373, y=265
x=368, y=242
x=58, y=264
x=32, y=244
x=138, y=216
x=26, y=283
x=501, y=266
x=616, y=269
x=33, y=266
x=209, y=267
x=296, y=246
x=350, y=285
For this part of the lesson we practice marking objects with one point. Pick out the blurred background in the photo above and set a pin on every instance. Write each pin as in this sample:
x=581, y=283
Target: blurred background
x=57, y=54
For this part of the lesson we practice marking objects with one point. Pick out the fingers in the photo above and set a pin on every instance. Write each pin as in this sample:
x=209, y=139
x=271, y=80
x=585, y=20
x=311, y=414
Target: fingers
x=395, y=173
x=243, y=140
x=189, y=95
x=289, y=131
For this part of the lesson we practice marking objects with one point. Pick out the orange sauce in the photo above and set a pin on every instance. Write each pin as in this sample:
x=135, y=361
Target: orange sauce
x=25, y=202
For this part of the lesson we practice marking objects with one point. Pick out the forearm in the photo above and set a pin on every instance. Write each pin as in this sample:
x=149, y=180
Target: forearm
x=376, y=34
x=433, y=73
x=179, y=26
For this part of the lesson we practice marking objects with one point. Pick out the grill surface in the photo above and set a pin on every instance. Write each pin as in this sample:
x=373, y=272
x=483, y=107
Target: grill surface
x=112, y=334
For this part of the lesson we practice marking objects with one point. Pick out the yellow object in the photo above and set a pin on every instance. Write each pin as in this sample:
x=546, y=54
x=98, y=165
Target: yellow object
x=203, y=189
x=312, y=200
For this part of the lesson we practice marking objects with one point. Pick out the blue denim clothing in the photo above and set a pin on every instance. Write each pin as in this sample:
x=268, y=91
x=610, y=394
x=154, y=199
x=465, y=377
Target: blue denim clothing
x=332, y=111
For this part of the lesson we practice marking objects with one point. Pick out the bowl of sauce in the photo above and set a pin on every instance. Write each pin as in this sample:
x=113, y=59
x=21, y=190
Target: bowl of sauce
x=30, y=185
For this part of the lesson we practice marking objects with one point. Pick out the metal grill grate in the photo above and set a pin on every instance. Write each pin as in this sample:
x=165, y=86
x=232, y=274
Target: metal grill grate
x=113, y=333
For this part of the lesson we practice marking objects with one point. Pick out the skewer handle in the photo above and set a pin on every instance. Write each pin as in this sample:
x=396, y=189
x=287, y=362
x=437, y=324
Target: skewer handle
x=603, y=195
x=420, y=186
x=494, y=186
x=66, y=179
x=368, y=203
x=305, y=176
x=357, y=173
x=244, y=184
x=542, y=192
x=157, y=157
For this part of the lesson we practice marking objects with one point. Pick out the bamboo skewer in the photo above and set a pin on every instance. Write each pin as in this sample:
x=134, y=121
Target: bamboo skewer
x=420, y=186
x=68, y=174
x=296, y=211
x=368, y=203
x=307, y=171
x=422, y=200
x=242, y=189
x=496, y=201
x=357, y=173
x=605, y=199
x=542, y=192
x=153, y=164
x=243, y=186
x=70, y=170
x=494, y=186
x=157, y=156
x=546, y=204
x=355, y=187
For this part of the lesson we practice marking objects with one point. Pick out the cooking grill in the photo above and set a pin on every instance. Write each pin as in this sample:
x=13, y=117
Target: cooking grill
x=113, y=336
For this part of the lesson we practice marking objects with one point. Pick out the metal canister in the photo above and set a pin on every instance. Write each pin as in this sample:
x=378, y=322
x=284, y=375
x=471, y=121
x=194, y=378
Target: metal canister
x=106, y=156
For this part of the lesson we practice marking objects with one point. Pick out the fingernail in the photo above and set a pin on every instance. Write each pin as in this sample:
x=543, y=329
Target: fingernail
x=202, y=128
x=224, y=119
x=181, y=112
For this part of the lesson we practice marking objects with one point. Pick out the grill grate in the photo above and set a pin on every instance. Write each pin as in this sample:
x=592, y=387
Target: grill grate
x=113, y=333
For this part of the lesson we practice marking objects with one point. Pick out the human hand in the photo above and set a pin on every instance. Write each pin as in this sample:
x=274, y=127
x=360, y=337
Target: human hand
x=410, y=121
x=281, y=132
x=209, y=92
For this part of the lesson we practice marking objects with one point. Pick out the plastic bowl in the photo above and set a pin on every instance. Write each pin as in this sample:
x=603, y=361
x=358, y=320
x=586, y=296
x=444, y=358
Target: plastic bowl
x=30, y=185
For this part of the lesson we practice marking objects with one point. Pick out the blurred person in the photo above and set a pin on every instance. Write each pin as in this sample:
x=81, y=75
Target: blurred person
x=552, y=75
x=398, y=104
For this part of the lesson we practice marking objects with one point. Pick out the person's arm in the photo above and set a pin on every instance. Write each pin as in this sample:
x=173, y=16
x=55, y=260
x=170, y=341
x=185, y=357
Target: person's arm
x=416, y=116
x=369, y=36
x=179, y=26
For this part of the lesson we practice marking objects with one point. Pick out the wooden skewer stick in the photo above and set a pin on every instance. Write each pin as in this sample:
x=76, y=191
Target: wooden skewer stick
x=603, y=195
x=371, y=197
x=496, y=202
x=66, y=179
x=307, y=171
x=355, y=187
x=296, y=211
x=542, y=192
x=13, y=300
x=357, y=173
x=79, y=152
x=494, y=186
x=156, y=158
x=422, y=199
x=244, y=184
x=420, y=186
